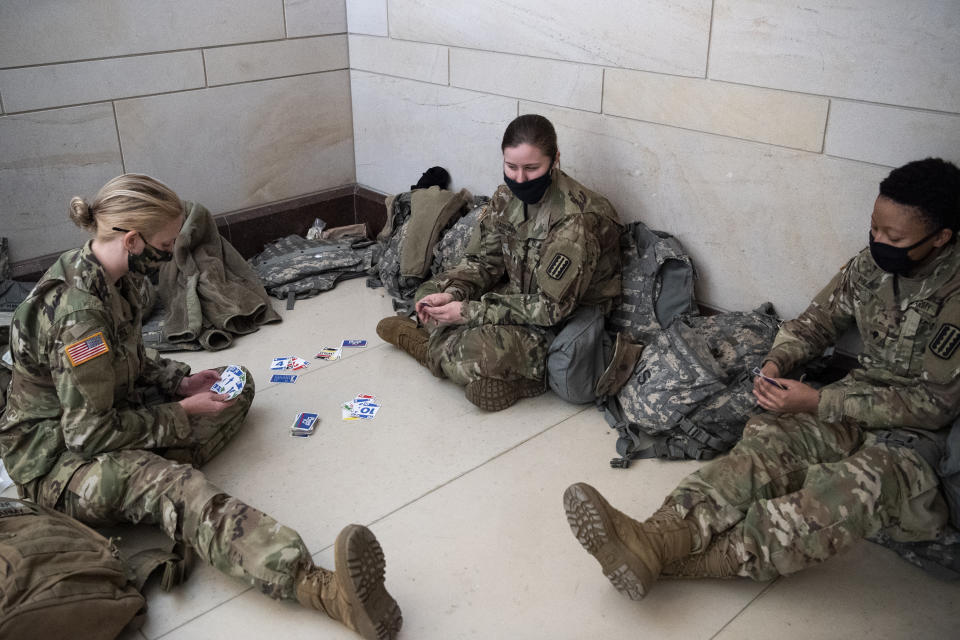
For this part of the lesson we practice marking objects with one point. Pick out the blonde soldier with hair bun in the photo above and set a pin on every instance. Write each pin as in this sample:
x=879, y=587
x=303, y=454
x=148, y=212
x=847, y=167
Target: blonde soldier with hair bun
x=101, y=430
x=545, y=246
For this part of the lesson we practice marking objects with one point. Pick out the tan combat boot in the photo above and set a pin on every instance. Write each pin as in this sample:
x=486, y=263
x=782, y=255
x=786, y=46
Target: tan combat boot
x=404, y=333
x=491, y=394
x=354, y=594
x=721, y=559
x=631, y=553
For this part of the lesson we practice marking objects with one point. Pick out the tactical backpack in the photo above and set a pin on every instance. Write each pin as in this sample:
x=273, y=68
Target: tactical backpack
x=690, y=393
x=61, y=579
x=658, y=278
x=416, y=221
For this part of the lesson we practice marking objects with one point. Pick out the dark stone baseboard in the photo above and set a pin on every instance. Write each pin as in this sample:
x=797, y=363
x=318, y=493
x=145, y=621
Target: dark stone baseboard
x=248, y=230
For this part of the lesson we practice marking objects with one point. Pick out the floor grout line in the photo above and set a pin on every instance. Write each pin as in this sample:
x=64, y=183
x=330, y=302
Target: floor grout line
x=745, y=607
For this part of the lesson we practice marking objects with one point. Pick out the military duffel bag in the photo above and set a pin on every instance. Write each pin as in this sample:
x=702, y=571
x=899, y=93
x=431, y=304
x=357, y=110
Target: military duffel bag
x=60, y=578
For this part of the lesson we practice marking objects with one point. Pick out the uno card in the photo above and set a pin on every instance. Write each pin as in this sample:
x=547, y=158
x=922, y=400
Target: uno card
x=231, y=382
x=298, y=363
x=756, y=372
x=281, y=377
x=347, y=412
x=365, y=411
x=304, y=424
x=279, y=364
x=354, y=343
x=329, y=353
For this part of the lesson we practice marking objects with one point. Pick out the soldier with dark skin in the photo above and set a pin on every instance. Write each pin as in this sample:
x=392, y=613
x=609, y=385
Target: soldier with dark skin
x=98, y=428
x=823, y=468
x=544, y=247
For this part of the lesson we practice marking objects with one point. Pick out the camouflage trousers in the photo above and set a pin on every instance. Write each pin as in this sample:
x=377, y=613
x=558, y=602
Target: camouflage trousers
x=504, y=352
x=796, y=491
x=145, y=486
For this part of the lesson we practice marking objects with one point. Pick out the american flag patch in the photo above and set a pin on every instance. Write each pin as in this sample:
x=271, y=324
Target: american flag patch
x=87, y=349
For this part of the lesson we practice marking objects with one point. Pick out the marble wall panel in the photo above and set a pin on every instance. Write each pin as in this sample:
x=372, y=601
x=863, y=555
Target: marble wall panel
x=314, y=17
x=367, y=16
x=765, y=115
x=561, y=83
x=413, y=60
x=902, y=53
x=78, y=82
x=669, y=37
x=402, y=128
x=46, y=158
x=891, y=136
x=247, y=144
x=761, y=223
x=43, y=31
x=246, y=62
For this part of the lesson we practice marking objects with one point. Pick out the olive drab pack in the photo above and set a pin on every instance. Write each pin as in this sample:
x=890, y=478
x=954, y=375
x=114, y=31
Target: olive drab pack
x=59, y=578
x=658, y=278
x=690, y=392
x=416, y=222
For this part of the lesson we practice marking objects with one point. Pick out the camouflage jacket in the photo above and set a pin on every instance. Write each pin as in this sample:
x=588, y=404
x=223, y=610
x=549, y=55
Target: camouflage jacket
x=910, y=327
x=79, y=368
x=535, y=265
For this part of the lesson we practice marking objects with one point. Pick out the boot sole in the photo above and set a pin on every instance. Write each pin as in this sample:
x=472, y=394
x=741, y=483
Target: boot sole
x=595, y=531
x=376, y=615
x=497, y=395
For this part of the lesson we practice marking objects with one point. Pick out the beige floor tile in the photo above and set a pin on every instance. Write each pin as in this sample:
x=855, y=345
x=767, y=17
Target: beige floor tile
x=425, y=435
x=490, y=555
x=867, y=593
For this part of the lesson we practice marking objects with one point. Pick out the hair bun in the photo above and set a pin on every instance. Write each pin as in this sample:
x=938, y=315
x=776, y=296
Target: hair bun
x=82, y=214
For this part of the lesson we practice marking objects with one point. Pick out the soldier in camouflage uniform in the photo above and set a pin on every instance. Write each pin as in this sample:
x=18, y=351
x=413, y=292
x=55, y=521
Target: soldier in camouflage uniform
x=105, y=432
x=544, y=247
x=823, y=468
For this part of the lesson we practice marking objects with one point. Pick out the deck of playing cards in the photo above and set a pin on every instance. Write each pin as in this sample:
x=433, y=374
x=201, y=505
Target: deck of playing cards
x=362, y=407
x=231, y=382
x=284, y=377
x=353, y=343
x=304, y=425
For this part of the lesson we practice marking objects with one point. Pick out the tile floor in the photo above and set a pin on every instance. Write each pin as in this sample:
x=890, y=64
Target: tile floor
x=467, y=506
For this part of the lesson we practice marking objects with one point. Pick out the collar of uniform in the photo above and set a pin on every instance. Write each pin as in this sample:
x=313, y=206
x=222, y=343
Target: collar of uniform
x=933, y=276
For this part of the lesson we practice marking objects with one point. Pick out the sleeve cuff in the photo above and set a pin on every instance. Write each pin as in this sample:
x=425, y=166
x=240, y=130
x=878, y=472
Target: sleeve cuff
x=458, y=294
x=831, y=404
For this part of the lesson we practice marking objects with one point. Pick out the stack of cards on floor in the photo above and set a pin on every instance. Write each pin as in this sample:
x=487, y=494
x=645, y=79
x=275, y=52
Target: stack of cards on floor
x=353, y=343
x=304, y=425
x=231, y=382
x=363, y=407
x=289, y=362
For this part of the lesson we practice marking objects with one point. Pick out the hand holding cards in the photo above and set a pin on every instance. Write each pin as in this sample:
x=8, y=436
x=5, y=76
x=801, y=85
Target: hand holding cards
x=756, y=371
x=231, y=382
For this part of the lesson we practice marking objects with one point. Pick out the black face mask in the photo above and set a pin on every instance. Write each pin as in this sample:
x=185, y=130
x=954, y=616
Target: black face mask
x=895, y=259
x=531, y=191
x=148, y=261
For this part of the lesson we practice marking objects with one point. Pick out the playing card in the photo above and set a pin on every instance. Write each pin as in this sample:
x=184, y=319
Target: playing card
x=283, y=377
x=354, y=343
x=231, y=382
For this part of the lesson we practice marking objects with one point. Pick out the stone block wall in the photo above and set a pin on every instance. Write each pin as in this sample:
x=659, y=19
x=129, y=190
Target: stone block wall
x=233, y=103
x=754, y=130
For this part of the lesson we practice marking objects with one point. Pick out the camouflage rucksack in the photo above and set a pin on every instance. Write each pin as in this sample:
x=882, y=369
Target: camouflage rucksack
x=417, y=221
x=657, y=279
x=690, y=392
x=453, y=244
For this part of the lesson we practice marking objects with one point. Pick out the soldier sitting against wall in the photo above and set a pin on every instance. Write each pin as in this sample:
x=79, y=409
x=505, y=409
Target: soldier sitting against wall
x=823, y=468
x=544, y=246
x=98, y=429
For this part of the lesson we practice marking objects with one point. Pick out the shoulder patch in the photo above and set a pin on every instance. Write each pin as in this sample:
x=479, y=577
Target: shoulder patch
x=87, y=349
x=946, y=342
x=558, y=266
